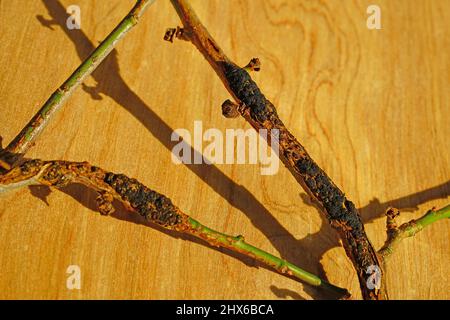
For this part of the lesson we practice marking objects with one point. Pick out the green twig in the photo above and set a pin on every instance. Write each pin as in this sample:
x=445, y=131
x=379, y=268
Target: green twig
x=25, y=139
x=408, y=229
x=154, y=206
x=238, y=244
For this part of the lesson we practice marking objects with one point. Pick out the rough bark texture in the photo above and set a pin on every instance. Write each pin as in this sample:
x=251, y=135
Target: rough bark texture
x=340, y=212
x=150, y=204
x=261, y=114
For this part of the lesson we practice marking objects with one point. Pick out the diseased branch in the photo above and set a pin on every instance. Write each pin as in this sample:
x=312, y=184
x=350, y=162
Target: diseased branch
x=261, y=114
x=409, y=229
x=150, y=204
x=25, y=139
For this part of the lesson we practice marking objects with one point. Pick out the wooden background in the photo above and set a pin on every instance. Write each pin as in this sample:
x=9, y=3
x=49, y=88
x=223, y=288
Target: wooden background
x=371, y=106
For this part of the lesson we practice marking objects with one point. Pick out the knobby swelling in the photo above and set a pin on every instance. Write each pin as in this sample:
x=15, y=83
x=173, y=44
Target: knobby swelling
x=260, y=113
x=150, y=204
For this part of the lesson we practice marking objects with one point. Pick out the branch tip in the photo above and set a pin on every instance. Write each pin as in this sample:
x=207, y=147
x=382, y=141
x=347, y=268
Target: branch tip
x=151, y=205
x=253, y=65
x=391, y=215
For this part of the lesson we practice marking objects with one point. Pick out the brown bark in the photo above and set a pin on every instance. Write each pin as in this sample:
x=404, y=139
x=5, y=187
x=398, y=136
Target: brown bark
x=261, y=114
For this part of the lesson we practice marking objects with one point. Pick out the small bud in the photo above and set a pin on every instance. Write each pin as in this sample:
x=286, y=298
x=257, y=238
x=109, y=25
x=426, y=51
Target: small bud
x=253, y=65
x=230, y=109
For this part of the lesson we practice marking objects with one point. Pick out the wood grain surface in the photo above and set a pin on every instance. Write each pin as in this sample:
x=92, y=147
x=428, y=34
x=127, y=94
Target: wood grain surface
x=371, y=106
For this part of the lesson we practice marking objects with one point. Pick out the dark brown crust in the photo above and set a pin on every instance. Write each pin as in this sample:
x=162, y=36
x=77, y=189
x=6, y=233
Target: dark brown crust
x=148, y=203
x=261, y=114
x=247, y=91
x=136, y=197
x=340, y=212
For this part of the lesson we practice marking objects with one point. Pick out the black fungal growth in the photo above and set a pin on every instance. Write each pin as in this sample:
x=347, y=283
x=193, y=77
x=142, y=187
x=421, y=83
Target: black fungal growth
x=341, y=212
x=148, y=203
x=339, y=209
x=247, y=91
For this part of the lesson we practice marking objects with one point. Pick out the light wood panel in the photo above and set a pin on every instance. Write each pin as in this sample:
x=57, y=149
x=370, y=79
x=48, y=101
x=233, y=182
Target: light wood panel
x=371, y=106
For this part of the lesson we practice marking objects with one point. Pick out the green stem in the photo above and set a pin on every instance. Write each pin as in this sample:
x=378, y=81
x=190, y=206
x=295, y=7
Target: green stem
x=150, y=204
x=411, y=228
x=433, y=216
x=25, y=139
x=238, y=244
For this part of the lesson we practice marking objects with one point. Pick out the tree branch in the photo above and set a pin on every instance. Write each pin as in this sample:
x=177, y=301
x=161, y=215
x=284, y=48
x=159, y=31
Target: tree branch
x=26, y=138
x=409, y=229
x=150, y=204
x=261, y=114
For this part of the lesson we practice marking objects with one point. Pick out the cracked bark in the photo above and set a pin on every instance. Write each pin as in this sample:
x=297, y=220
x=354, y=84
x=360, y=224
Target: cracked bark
x=253, y=106
x=151, y=205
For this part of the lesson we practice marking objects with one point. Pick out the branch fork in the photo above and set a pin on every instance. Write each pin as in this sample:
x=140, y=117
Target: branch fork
x=395, y=233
